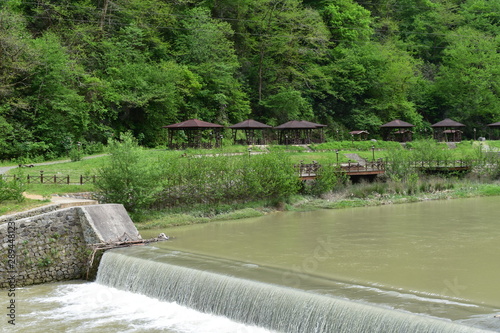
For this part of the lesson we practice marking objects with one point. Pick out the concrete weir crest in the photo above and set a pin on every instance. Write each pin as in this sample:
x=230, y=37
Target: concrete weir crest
x=57, y=244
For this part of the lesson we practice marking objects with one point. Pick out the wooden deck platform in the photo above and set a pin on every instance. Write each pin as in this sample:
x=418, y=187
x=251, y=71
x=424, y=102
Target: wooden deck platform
x=309, y=171
x=372, y=169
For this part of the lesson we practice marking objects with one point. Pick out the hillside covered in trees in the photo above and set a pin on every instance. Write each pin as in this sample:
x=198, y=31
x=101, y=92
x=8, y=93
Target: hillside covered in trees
x=85, y=70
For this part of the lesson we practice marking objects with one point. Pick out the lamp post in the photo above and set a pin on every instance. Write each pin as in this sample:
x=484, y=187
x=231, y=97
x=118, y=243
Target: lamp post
x=373, y=153
x=249, y=151
x=337, y=152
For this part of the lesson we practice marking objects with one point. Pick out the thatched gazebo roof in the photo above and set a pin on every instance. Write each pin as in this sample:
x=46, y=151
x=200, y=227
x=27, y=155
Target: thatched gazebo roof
x=449, y=123
x=296, y=124
x=311, y=123
x=358, y=132
x=194, y=129
x=397, y=124
x=494, y=128
x=193, y=124
x=403, y=133
x=361, y=135
x=250, y=126
x=447, y=130
x=298, y=132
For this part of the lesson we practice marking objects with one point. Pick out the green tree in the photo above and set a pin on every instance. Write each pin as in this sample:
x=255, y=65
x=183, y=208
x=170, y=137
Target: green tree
x=55, y=101
x=205, y=46
x=467, y=87
x=282, y=45
x=372, y=84
x=348, y=21
x=287, y=105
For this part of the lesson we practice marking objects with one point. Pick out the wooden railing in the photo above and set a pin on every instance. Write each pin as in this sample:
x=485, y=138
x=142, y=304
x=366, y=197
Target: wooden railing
x=54, y=179
x=311, y=169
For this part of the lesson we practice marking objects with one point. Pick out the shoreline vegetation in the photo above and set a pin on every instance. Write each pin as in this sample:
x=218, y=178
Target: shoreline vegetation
x=301, y=203
x=162, y=188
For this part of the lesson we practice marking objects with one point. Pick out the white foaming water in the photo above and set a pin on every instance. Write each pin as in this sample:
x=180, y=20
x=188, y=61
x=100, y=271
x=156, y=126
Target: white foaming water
x=256, y=303
x=91, y=307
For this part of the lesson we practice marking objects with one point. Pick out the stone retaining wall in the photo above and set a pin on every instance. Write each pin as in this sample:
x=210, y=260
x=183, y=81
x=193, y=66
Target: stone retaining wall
x=54, y=246
x=29, y=213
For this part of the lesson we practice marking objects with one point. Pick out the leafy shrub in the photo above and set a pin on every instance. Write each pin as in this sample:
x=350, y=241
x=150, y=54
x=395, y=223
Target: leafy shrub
x=226, y=179
x=327, y=179
x=127, y=178
x=12, y=190
x=75, y=154
x=92, y=148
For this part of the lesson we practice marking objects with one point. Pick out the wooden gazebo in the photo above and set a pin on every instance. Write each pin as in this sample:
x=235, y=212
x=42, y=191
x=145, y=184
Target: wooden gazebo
x=298, y=132
x=254, y=132
x=397, y=130
x=317, y=136
x=447, y=130
x=360, y=135
x=496, y=128
x=198, y=134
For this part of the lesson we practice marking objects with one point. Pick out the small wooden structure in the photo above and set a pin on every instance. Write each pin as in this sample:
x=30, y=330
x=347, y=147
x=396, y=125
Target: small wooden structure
x=447, y=130
x=397, y=130
x=360, y=135
x=495, y=127
x=198, y=134
x=299, y=132
x=254, y=132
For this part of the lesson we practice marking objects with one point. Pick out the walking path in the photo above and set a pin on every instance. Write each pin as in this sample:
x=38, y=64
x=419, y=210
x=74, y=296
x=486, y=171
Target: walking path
x=356, y=158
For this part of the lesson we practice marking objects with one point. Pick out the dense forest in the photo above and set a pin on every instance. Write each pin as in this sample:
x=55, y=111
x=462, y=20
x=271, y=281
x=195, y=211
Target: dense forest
x=85, y=70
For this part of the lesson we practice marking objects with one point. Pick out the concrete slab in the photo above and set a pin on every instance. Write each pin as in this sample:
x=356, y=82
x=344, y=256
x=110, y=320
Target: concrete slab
x=111, y=223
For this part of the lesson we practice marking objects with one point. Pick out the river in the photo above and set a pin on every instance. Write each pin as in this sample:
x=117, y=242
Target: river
x=436, y=259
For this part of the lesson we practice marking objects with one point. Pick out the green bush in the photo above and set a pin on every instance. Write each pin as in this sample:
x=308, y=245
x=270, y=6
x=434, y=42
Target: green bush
x=128, y=178
x=226, y=179
x=75, y=154
x=11, y=190
x=328, y=178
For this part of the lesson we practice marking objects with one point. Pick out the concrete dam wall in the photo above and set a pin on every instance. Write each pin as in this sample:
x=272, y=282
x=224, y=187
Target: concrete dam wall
x=50, y=244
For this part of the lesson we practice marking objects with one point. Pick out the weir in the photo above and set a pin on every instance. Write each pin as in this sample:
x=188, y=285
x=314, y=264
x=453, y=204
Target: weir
x=267, y=305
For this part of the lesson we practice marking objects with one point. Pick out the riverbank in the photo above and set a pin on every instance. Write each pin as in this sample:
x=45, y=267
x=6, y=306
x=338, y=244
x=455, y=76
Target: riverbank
x=351, y=197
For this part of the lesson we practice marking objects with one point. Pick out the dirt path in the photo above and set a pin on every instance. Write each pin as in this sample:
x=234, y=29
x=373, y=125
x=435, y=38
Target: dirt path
x=63, y=201
x=356, y=158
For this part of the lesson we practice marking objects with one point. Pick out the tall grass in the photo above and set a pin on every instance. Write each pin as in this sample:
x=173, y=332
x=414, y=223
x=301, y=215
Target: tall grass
x=205, y=180
x=356, y=145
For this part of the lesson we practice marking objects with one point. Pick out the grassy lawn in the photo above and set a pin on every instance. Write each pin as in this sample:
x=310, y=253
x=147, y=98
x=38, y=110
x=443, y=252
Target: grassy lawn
x=10, y=207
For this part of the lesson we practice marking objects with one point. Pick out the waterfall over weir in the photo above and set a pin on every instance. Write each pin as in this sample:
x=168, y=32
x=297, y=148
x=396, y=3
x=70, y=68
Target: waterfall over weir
x=251, y=302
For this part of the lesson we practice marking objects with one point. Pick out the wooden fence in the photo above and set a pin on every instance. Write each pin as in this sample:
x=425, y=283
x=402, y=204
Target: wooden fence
x=55, y=179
